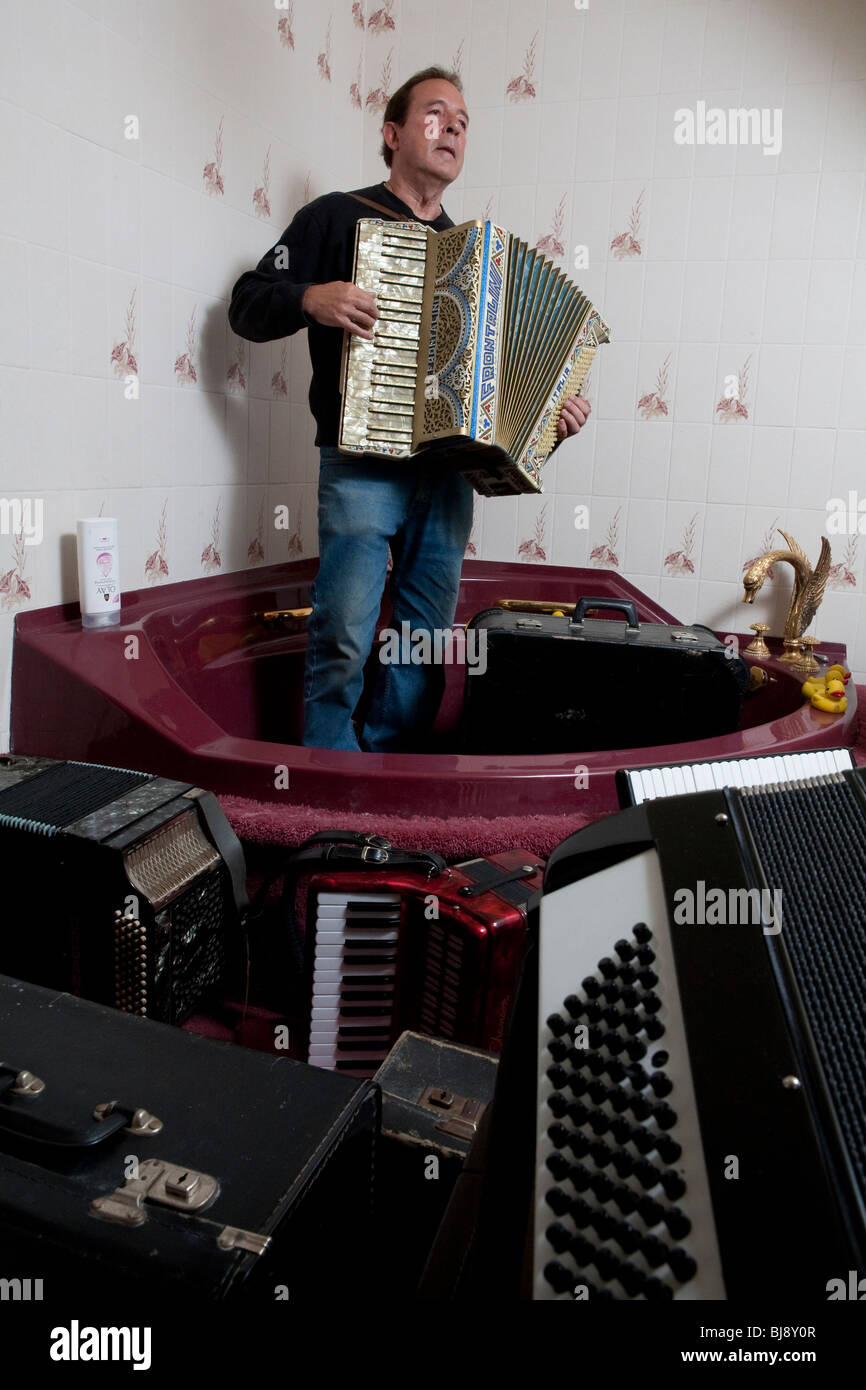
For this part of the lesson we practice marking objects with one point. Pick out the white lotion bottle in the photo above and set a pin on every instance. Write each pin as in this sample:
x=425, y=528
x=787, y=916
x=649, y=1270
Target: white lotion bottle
x=98, y=571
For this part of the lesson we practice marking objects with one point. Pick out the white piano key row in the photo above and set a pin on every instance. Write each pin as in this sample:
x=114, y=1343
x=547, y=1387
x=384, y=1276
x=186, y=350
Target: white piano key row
x=651, y=783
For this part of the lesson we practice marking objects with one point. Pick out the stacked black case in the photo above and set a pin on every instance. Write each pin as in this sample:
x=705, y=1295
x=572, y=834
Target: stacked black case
x=291, y=1146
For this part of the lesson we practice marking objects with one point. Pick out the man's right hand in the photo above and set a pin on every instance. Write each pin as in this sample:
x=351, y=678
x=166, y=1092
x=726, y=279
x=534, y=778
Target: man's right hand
x=340, y=304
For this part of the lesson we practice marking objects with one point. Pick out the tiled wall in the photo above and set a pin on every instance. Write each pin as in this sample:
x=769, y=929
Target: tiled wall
x=149, y=152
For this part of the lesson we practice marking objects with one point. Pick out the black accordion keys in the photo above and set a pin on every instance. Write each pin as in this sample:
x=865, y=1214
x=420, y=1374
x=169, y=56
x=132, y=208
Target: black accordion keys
x=692, y=1081
x=126, y=888
x=392, y=950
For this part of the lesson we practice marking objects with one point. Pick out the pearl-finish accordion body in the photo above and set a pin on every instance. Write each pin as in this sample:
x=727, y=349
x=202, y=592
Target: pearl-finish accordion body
x=480, y=339
x=395, y=949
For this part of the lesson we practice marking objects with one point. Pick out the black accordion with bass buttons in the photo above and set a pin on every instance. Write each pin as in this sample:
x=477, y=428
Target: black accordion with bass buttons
x=122, y=887
x=680, y=1109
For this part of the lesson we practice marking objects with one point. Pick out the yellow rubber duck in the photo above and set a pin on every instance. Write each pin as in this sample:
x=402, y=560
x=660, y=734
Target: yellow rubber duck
x=827, y=692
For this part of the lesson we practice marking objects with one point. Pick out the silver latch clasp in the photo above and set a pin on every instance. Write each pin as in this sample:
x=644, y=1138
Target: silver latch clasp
x=460, y=1114
x=167, y=1184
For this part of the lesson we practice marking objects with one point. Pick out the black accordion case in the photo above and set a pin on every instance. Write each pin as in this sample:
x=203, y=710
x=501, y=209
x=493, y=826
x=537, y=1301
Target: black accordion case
x=553, y=684
x=139, y=1158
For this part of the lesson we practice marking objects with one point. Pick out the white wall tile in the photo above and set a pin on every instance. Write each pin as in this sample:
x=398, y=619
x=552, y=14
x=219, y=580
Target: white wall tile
x=703, y=301
x=837, y=217
x=15, y=320
x=612, y=463
x=724, y=43
x=770, y=462
x=804, y=125
x=602, y=47
x=668, y=228
x=723, y=529
x=776, y=396
x=635, y=136
x=730, y=451
x=15, y=433
x=852, y=406
x=810, y=480
x=812, y=39
x=743, y=301
x=820, y=382
x=645, y=540
x=794, y=216
x=709, y=218
x=157, y=436
x=48, y=298
x=520, y=144
x=641, y=54
x=682, y=47
x=48, y=52
x=662, y=299
x=849, y=62
x=751, y=218
x=690, y=461
x=695, y=366
x=785, y=302
x=651, y=456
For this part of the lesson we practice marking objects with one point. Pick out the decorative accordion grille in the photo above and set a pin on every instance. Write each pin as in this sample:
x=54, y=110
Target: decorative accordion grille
x=445, y=967
x=197, y=950
x=172, y=858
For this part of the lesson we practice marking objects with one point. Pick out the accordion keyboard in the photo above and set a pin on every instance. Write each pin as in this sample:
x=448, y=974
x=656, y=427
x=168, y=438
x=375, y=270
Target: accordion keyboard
x=354, y=980
x=383, y=373
x=622, y=1201
x=678, y=779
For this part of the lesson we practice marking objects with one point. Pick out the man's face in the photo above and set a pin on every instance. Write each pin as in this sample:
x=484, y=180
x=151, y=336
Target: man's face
x=433, y=138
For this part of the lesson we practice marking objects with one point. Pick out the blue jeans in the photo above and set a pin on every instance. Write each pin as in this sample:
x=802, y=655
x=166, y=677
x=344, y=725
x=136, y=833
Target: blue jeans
x=423, y=509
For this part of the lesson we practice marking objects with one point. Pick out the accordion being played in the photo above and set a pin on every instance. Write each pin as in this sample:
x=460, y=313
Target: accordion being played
x=392, y=950
x=480, y=339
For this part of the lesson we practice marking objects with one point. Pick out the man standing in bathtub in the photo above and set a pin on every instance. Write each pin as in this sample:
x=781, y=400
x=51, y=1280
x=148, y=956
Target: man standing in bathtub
x=419, y=506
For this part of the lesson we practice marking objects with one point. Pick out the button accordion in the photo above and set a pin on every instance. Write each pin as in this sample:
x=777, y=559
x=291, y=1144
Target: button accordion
x=393, y=950
x=686, y=1062
x=479, y=340
x=127, y=888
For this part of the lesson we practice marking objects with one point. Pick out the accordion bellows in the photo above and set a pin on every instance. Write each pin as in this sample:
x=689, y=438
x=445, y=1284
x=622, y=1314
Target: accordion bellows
x=480, y=339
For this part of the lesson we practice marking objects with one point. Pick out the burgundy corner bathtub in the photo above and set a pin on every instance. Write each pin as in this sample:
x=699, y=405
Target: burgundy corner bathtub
x=211, y=693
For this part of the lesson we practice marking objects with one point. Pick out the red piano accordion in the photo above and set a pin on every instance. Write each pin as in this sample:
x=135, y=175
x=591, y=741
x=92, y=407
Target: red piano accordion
x=400, y=949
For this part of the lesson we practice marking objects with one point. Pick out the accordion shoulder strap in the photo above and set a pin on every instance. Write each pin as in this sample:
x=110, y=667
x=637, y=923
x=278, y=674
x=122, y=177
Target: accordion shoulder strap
x=380, y=207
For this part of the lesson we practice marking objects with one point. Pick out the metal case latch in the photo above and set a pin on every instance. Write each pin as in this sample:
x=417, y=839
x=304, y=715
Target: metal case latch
x=460, y=1113
x=167, y=1184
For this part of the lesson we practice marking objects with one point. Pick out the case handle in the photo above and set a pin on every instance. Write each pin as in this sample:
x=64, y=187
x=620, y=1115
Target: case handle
x=620, y=605
x=20, y=1116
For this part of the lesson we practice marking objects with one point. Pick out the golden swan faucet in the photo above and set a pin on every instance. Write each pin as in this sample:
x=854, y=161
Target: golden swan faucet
x=809, y=586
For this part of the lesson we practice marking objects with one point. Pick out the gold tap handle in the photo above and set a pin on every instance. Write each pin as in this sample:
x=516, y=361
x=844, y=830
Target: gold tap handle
x=276, y=615
x=531, y=605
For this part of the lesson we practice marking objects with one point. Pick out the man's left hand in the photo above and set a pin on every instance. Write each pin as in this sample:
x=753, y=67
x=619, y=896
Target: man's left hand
x=574, y=415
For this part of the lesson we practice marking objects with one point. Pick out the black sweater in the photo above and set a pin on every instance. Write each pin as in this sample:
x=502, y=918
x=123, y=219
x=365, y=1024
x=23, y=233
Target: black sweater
x=317, y=247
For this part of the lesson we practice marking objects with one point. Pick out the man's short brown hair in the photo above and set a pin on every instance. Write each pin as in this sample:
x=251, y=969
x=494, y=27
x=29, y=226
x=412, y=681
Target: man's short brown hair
x=398, y=105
